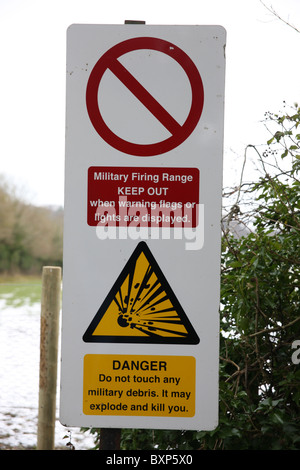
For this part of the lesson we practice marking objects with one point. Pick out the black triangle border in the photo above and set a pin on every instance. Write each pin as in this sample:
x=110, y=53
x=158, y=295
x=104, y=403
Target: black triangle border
x=191, y=338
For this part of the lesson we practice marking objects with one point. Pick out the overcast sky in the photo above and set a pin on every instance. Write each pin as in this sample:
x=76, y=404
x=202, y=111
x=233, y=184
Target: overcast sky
x=262, y=70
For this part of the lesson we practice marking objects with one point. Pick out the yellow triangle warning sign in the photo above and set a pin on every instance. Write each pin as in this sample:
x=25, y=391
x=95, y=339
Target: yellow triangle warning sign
x=141, y=307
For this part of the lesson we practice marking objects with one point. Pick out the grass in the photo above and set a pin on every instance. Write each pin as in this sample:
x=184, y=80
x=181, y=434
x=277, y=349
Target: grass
x=20, y=290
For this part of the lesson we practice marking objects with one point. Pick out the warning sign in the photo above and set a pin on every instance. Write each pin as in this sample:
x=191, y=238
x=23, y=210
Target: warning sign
x=142, y=238
x=139, y=385
x=141, y=307
x=109, y=61
x=127, y=196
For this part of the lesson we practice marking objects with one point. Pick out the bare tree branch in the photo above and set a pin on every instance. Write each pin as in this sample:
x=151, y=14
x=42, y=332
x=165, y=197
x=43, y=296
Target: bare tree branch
x=271, y=10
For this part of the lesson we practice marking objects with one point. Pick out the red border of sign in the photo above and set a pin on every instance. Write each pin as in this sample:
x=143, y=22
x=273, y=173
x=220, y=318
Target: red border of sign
x=109, y=61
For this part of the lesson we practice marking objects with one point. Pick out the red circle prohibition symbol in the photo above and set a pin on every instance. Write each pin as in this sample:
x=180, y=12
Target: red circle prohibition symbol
x=179, y=133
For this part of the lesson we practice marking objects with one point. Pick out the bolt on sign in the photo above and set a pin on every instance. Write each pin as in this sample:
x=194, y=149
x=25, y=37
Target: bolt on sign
x=143, y=181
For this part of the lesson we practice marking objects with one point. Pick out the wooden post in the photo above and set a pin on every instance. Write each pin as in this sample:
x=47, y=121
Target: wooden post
x=50, y=308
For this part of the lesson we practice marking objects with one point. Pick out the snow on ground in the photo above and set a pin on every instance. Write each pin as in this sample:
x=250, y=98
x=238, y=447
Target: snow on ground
x=19, y=381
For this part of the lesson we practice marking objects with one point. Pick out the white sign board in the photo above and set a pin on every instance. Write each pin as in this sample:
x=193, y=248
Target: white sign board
x=143, y=181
